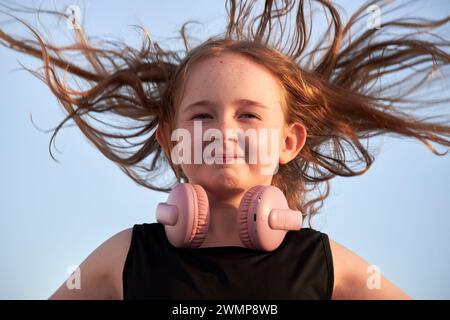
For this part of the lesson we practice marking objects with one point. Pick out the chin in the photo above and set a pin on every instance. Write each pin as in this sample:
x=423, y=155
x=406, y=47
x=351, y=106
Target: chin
x=222, y=182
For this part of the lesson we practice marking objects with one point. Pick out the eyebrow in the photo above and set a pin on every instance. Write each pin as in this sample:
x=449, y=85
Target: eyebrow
x=235, y=102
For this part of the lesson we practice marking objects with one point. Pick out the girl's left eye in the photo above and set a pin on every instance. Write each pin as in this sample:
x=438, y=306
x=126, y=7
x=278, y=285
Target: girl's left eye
x=251, y=115
x=205, y=116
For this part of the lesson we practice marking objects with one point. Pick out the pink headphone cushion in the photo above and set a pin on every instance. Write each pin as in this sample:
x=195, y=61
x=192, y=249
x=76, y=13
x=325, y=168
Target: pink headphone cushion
x=201, y=223
x=244, y=206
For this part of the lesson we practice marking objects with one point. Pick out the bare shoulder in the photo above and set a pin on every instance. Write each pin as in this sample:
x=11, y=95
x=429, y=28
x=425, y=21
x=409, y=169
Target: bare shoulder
x=355, y=278
x=100, y=274
x=118, y=251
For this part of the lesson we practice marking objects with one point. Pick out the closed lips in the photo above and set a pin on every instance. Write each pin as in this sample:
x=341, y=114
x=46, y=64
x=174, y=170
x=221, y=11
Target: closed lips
x=224, y=157
x=228, y=156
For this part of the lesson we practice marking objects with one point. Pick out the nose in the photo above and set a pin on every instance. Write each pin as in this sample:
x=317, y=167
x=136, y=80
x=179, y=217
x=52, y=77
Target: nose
x=229, y=135
x=229, y=130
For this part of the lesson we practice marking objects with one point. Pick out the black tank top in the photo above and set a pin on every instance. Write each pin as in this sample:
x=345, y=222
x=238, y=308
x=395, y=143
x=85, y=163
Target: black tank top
x=300, y=268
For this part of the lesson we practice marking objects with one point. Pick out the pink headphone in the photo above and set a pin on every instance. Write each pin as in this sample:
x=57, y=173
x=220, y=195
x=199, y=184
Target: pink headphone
x=263, y=217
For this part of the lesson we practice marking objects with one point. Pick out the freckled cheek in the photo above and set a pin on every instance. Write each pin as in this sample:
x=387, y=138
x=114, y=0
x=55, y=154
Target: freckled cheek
x=263, y=147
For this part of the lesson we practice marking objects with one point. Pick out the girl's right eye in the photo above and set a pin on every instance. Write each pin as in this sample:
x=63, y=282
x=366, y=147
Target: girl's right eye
x=201, y=115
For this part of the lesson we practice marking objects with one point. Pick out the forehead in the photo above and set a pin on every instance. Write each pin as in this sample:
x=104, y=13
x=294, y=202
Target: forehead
x=230, y=76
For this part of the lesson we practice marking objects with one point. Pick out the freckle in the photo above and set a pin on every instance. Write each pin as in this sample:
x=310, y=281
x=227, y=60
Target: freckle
x=221, y=61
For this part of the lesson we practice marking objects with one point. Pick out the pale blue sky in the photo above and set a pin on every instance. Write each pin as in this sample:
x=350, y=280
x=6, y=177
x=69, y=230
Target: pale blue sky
x=53, y=215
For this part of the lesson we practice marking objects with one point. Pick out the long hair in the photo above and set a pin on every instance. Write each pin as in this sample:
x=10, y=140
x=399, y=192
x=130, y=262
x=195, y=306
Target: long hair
x=354, y=83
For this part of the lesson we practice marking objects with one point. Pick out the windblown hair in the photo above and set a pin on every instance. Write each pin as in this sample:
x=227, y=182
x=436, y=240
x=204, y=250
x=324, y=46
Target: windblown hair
x=350, y=85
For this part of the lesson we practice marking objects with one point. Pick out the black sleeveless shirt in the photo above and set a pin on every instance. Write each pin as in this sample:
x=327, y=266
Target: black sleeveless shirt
x=300, y=268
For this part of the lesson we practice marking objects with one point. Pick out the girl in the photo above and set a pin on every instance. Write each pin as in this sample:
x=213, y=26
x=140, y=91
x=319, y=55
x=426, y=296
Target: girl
x=347, y=88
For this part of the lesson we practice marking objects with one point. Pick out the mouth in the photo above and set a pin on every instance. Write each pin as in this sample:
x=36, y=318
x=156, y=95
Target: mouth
x=229, y=156
x=226, y=157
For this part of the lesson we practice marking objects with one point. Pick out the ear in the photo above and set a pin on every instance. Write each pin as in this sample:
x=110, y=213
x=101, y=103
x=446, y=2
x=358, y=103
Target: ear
x=293, y=141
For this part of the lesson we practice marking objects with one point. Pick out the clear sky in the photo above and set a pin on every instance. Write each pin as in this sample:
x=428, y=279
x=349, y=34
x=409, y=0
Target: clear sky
x=53, y=215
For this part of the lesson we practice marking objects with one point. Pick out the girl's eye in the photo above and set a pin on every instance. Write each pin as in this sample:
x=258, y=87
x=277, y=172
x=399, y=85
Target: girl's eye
x=201, y=116
x=251, y=115
x=206, y=116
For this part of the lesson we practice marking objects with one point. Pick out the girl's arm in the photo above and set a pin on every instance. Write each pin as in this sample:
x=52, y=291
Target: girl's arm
x=101, y=272
x=353, y=276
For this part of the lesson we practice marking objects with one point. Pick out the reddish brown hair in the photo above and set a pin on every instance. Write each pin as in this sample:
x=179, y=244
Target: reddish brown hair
x=358, y=84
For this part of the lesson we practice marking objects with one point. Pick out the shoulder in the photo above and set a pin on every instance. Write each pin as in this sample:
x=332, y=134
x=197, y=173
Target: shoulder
x=355, y=278
x=101, y=272
x=115, y=250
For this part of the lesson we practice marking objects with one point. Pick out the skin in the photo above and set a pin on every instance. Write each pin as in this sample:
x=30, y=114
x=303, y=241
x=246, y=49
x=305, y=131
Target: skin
x=224, y=79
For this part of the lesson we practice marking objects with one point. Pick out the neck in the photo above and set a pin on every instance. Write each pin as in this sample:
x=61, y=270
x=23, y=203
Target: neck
x=223, y=228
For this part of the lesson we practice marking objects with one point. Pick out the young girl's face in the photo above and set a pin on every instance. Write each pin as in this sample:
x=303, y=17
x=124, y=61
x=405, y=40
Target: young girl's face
x=230, y=82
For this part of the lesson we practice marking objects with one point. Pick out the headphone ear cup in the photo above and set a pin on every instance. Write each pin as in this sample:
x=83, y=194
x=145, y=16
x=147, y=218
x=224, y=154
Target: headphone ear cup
x=201, y=219
x=264, y=218
x=244, y=215
x=185, y=215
